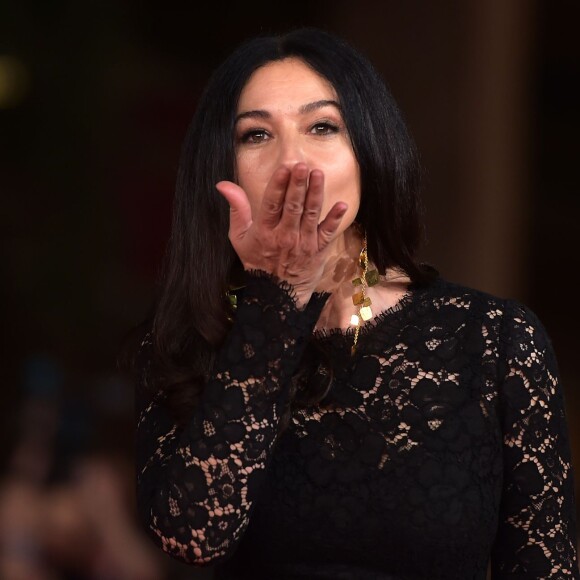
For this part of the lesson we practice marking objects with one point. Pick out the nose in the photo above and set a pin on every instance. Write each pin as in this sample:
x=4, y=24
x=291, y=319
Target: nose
x=291, y=151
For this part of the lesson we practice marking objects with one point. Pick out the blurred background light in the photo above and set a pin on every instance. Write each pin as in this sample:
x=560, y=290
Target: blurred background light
x=14, y=81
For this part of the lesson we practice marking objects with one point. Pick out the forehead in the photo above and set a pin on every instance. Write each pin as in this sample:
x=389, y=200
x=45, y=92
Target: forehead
x=287, y=83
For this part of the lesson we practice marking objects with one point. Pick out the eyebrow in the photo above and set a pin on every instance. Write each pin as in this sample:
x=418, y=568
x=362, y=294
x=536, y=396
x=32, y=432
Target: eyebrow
x=304, y=109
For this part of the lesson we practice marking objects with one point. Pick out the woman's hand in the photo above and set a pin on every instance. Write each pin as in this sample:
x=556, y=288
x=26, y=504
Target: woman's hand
x=285, y=238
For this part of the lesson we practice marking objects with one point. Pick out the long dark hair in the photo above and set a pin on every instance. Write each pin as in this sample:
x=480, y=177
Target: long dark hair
x=191, y=317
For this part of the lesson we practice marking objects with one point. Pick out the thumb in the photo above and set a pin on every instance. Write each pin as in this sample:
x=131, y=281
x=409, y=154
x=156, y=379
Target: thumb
x=240, y=210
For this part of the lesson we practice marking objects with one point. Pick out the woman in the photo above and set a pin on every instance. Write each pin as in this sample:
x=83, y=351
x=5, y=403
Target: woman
x=314, y=403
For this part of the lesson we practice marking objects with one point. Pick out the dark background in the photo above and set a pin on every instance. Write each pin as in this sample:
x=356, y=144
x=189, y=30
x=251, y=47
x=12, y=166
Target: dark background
x=95, y=98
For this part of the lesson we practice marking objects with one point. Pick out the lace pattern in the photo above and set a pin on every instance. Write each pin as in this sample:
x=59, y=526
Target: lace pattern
x=442, y=443
x=196, y=488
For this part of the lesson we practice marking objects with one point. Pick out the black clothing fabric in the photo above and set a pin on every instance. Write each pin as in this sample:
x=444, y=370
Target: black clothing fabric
x=441, y=445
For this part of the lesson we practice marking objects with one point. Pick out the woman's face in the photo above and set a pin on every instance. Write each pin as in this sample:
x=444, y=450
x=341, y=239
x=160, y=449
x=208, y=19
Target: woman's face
x=288, y=113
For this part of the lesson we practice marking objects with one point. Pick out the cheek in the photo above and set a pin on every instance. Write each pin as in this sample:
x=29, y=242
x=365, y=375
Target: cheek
x=343, y=184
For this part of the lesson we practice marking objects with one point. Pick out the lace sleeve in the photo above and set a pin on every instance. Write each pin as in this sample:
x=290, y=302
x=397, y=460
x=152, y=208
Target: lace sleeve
x=196, y=486
x=537, y=529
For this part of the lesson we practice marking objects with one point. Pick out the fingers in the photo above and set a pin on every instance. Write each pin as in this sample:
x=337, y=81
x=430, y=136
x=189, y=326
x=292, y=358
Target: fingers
x=325, y=232
x=291, y=205
x=329, y=225
x=294, y=201
x=313, y=203
x=240, y=210
x=273, y=200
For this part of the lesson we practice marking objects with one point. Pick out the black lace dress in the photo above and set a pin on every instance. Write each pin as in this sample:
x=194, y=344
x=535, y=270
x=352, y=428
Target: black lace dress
x=441, y=445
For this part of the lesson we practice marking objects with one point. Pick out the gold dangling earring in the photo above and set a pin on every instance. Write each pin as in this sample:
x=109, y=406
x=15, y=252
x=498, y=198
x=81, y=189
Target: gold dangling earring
x=359, y=298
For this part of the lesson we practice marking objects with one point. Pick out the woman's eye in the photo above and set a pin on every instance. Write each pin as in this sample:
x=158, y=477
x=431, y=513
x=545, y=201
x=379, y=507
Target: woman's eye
x=254, y=136
x=324, y=128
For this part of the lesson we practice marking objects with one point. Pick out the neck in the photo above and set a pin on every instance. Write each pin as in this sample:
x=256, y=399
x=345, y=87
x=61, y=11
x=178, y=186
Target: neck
x=342, y=265
x=340, y=270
